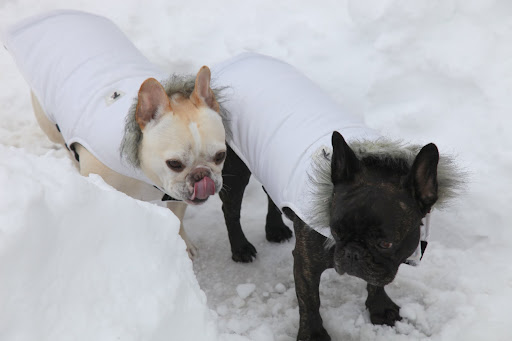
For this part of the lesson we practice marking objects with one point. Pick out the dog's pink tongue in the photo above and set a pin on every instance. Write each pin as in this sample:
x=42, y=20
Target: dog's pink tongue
x=203, y=188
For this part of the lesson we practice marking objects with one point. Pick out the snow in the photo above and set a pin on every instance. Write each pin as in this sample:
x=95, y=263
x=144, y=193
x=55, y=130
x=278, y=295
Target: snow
x=245, y=290
x=80, y=261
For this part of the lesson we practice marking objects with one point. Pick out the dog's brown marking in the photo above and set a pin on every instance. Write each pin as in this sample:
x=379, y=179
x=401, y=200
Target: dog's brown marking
x=187, y=109
x=203, y=94
x=184, y=109
x=151, y=99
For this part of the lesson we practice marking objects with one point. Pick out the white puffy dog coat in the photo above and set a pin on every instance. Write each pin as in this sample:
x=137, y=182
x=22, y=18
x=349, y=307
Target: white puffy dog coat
x=279, y=122
x=85, y=73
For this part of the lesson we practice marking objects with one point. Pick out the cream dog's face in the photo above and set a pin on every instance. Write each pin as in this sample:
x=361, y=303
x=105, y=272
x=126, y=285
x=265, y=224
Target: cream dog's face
x=183, y=140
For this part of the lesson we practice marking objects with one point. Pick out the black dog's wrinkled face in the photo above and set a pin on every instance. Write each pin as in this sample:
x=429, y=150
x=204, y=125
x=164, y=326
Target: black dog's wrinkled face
x=377, y=209
x=376, y=227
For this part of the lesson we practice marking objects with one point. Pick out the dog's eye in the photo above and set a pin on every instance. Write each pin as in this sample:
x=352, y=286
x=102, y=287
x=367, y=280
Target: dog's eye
x=175, y=165
x=385, y=245
x=219, y=157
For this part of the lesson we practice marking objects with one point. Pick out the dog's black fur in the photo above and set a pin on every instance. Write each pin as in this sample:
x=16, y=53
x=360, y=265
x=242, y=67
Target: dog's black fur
x=375, y=216
x=236, y=176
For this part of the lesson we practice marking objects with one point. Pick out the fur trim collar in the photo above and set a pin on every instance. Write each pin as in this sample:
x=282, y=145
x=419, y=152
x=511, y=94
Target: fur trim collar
x=450, y=178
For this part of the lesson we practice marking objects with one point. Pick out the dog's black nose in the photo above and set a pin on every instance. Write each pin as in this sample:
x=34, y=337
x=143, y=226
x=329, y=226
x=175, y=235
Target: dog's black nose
x=353, y=253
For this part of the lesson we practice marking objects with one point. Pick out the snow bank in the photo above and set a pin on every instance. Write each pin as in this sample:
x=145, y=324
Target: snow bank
x=81, y=261
x=425, y=71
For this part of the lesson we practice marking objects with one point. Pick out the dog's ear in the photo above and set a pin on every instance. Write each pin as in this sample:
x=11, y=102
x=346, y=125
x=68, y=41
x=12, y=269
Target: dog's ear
x=152, y=101
x=344, y=163
x=203, y=94
x=423, y=176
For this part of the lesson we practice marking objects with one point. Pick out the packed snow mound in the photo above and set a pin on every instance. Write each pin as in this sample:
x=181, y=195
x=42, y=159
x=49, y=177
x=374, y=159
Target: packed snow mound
x=81, y=261
x=422, y=71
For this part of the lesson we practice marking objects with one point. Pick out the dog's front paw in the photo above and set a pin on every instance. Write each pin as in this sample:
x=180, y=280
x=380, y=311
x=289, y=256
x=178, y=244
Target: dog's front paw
x=318, y=335
x=192, y=250
x=386, y=317
x=245, y=253
x=384, y=314
x=278, y=234
x=382, y=309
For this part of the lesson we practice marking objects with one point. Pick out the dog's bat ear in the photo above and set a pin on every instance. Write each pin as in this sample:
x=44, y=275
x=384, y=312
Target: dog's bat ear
x=203, y=94
x=152, y=101
x=423, y=176
x=344, y=162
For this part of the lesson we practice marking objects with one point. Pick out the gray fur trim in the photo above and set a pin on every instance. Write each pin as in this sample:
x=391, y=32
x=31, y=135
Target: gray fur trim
x=449, y=177
x=175, y=84
x=131, y=139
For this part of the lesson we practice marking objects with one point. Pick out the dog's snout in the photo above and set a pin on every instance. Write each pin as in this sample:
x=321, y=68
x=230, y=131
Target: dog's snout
x=199, y=173
x=353, y=253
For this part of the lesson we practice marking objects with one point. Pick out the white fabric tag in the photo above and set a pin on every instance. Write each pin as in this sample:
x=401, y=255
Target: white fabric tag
x=415, y=258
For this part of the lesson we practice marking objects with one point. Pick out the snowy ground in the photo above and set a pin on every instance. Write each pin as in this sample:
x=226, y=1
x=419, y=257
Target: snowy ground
x=422, y=70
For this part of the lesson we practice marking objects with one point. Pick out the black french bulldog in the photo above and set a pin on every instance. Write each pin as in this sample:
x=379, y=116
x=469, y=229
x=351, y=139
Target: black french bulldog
x=376, y=210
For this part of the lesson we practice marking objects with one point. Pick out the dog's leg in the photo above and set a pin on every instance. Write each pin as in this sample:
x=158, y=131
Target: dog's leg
x=382, y=309
x=178, y=208
x=275, y=229
x=49, y=128
x=236, y=177
x=310, y=260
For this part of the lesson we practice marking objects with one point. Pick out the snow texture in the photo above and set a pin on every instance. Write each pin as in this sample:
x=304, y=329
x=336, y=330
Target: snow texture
x=79, y=261
x=245, y=290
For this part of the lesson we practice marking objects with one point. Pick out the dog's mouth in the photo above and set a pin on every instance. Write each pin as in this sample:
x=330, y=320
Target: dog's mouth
x=195, y=201
x=202, y=190
x=375, y=276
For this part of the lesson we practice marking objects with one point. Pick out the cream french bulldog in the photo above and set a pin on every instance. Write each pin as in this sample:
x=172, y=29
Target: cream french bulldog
x=95, y=93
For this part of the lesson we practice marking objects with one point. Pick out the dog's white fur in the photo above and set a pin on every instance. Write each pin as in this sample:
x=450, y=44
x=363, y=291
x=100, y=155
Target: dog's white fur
x=176, y=127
